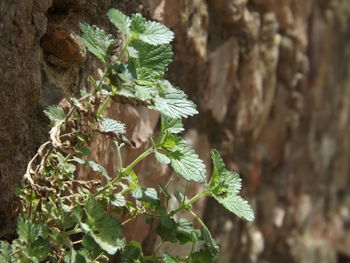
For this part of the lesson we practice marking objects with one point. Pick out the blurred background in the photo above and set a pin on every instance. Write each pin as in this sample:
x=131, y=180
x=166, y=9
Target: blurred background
x=271, y=79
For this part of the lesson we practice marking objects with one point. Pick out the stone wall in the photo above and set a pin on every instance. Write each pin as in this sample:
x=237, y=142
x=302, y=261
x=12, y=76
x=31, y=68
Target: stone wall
x=270, y=78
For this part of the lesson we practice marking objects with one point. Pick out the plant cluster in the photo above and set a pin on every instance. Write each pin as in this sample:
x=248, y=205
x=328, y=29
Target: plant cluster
x=64, y=219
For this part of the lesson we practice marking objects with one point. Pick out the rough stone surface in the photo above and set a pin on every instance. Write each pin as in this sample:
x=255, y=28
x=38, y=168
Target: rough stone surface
x=271, y=78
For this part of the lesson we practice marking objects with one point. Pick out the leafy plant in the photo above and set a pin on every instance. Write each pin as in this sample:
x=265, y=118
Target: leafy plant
x=64, y=219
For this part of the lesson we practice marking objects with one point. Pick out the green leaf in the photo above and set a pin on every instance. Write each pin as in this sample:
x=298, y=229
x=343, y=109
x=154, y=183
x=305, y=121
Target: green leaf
x=55, y=114
x=203, y=256
x=153, y=33
x=97, y=41
x=185, y=232
x=110, y=125
x=186, y=162
x=5, y=252
x=118, y=200
x=167, y=258
x=94, y=166
x=225, y=187
x=149, y=195
x=155, y=58
x=210, y=243
x=92, y=249
x=173, y=102
x=138, y=23
x=27, y=231
x=121, y=21
x=162, y=158
x=171, y=125
x=132, y=253
x=166, y=226
x=38, y=250
x=222, y=180
x=104, y=228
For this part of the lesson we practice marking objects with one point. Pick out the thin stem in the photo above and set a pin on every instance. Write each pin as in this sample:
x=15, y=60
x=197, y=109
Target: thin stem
x=186, y=190
x=186, y=204
x=127, y=170
x=103, y=106
x=199, y=220
x=139, y=159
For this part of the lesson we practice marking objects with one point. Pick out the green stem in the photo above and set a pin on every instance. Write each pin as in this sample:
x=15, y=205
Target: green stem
x=103, y=106
x=199, y=220
x=127, y=170
x=138, y=159
x=189, y=202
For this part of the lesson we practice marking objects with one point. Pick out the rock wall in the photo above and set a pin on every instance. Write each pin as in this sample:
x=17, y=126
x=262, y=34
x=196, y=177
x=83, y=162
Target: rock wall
x=271, y=81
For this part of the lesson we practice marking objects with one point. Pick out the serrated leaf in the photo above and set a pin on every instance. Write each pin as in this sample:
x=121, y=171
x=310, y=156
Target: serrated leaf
x=167, y=258
x=186, y=162
x=118, y=200
x=138, y=23
x=225, y=187
x=38, y=250
x=154, y=58
x=203, y=256
x=173, y=102
x=166, y=226
x=5, y=251
x=121, y=21
x=97, y=41
x=162, y=158
x=132, y=52
x=104, y=228
x=110, y=125
x=155, y=34
x=185, y=232
x=27, y=231
x=55, y=114
x=149, y=195
x=131, y=253
x=210, y=243
x=237, y=205
x=171, y=125
x=91, y=249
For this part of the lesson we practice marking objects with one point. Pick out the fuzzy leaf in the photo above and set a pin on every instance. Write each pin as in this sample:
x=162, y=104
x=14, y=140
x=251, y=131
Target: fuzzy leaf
x=5, y=251
x=104, y=228
x=236, y=205
x=121, y=21
x=225, y=187
x=172, y=125
x=97, y=41
x=138, y=23
x=118, y=200
x=55, y=114
x=186, y=162
x=110, y=125
x=155, y=33
x=162, y=158
x=132, y=253
x=185, y=232
x=173, y=102
x=166, y=227
x=155, y=58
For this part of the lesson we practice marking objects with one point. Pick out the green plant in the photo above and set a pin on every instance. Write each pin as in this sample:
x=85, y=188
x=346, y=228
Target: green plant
x=63, y=219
